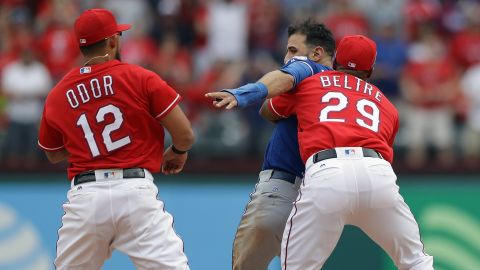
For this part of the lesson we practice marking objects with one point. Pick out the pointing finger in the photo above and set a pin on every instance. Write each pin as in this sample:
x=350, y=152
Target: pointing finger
x=231, y=105
x=223, y=102
x=214, y=95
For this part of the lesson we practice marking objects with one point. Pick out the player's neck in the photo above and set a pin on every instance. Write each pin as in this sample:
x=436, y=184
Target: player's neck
x=98, y=59
x=326, y=62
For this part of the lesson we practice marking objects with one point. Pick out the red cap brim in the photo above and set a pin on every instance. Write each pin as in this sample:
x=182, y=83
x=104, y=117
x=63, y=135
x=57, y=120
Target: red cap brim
x=123, y=27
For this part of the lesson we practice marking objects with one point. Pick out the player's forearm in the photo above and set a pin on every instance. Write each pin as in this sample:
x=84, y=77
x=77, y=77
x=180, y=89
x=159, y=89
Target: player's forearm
x=277, y=82
x=410, y=90
x=271, y=84
x=179, y=128
x=184, y=141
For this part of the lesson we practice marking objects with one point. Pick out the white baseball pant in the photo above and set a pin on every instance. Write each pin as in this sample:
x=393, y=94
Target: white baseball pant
x=116, y=213
x=356, y=190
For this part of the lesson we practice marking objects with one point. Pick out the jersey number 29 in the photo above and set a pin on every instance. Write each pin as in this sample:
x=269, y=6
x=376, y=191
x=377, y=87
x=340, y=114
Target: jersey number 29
x=373, y=114
x=107, y=140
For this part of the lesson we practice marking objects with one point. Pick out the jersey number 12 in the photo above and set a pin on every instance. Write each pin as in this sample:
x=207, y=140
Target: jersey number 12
x=373, y=114
x=107, y=140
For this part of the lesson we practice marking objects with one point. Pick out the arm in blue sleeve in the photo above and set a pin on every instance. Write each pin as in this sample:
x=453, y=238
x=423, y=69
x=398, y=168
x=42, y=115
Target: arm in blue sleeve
x=300, y=70
x=249, y=94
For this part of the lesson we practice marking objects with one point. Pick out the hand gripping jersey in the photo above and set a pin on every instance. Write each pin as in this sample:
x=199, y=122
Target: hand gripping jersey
x=335, y=109
x=99, y=114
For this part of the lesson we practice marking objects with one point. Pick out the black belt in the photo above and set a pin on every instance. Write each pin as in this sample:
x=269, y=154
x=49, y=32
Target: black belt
x=283, y=176
x=332, y=153
x=89, y=176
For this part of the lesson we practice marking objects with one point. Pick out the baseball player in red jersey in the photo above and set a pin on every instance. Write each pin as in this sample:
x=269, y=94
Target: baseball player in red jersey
x=107, y=119
x=346, y=131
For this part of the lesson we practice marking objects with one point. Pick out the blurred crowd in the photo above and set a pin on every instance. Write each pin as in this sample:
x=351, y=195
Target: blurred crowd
x=428, y=63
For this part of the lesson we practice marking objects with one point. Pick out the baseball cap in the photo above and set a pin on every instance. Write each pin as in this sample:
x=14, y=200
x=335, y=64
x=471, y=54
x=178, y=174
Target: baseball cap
x=94, y=25
x=356, y=52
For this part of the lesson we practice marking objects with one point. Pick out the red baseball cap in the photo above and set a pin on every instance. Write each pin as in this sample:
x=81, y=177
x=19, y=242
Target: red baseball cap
x=356, y=52
x=94, y=25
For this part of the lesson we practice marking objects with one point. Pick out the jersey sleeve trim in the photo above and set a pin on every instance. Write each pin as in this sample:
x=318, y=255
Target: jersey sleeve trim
x=310, y=67
x=169, y=106
x=50, y=149
x=270, y=104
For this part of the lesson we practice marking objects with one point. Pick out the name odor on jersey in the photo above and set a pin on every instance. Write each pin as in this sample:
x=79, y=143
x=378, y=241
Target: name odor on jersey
x=86, y=91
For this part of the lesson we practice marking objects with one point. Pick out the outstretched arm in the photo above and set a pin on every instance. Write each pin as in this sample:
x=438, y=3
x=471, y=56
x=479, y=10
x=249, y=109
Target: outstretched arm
x=271, y=84
x=277, y=82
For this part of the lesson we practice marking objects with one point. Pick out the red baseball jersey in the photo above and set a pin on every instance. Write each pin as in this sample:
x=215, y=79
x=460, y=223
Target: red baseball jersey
x=429, y=75
x=106, y=116
x=465, y=48
x=335, y=109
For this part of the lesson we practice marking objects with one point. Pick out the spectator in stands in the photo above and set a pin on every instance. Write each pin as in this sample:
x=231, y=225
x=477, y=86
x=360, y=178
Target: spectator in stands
x=7, y=54
x=470, y=141
x=466, y=44
x=265, y=25
x=419, y=12
x=137, y=12
x=25, y=83
x=173, y=63
x=167, y=17
x=227, y=30
x=344, y=18
x=224, y=134
x=429, y=86
x=139, y=48
x=380, y=11
x=59, y=51
x=452, y=17
x=391, y=57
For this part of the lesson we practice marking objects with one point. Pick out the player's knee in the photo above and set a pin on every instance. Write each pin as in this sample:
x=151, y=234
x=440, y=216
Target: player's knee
x=255, y=248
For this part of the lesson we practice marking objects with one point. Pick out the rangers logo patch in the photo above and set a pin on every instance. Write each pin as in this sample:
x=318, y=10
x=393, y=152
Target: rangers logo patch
x=84, y=70
x=83, y=41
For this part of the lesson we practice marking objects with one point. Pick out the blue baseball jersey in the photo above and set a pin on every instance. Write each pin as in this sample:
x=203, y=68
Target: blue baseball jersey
x=282, y=150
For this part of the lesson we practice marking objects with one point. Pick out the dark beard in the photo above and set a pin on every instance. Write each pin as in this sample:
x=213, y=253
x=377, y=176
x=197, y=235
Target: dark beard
x=117, y=56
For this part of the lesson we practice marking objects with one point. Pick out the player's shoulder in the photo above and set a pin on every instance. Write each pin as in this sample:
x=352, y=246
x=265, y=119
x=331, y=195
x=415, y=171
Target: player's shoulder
x=296, y=59
x=388, y=104
x=122, y=66
x=135, y=70
x=70, y=76
x=316, y=67
x=329, y=72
